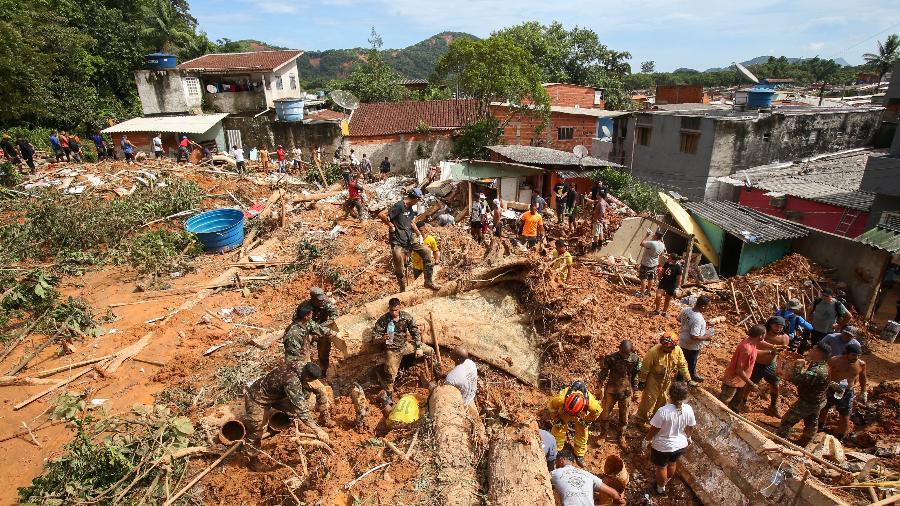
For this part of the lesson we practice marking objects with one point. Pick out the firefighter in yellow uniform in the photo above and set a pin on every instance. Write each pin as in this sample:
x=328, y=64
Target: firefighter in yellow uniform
x=657, y=370
x=576, y=405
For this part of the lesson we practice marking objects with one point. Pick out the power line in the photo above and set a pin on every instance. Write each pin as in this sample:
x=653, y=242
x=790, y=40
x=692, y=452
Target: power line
x=865, y=40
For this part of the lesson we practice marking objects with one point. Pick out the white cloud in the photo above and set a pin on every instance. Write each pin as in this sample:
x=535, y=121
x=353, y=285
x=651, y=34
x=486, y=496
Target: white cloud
x=815, y=46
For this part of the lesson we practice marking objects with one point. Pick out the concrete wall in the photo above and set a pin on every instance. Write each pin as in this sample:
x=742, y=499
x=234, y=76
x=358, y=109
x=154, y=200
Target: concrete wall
x=813, y=214
x=265, y=131
x=162, y=92
x=402, y=150
x=236, y=102
x=882, y=203
x=284, y=73
x=661, y=163
x=859, y=265
x=740, y=145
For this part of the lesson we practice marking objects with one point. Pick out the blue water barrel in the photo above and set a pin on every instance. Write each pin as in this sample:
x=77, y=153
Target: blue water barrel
x=289, y=109
x=218, y=230
x=760, y=97
x=159, y=61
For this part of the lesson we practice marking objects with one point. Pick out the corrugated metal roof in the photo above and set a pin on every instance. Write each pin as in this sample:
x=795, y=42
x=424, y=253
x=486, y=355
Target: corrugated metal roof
x=537, y=155
x=747, y=224
x=187, y=124
x=818, y=192
x=882, y=237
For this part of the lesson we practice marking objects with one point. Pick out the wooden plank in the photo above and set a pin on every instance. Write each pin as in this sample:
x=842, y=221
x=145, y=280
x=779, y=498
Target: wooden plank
x=51, y=389
x=129, y=351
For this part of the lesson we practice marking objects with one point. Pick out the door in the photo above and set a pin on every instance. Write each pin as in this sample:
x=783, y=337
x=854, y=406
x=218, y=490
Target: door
x=234, y=139
x=730, y=258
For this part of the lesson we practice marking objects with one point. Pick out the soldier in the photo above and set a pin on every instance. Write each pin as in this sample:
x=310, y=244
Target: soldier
x=300, y=335
x=622, y=368
x=286, y=388
x=324, y=312
x=812, y=385
x=394, y=329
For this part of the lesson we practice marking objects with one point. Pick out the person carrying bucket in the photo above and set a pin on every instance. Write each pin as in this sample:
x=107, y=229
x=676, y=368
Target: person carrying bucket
x=573, y=404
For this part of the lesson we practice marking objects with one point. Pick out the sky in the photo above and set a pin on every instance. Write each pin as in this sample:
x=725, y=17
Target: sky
x=673, y=33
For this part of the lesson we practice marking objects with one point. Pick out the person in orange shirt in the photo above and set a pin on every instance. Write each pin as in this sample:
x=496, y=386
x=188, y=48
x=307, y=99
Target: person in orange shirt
x=737, y=374
x=532, y=226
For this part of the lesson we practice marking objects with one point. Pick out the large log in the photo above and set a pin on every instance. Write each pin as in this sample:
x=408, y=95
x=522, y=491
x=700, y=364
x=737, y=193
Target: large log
x=517, y=471
x=457, y=483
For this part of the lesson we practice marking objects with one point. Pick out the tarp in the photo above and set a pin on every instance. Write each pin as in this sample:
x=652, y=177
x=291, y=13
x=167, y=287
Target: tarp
x=186, y=124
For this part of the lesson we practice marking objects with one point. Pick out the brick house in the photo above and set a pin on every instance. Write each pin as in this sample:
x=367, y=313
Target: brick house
x=681, y=94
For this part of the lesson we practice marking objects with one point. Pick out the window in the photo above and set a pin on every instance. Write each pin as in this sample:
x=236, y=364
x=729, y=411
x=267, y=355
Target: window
x=192, y=86
x=689, y=123
x=292, y=79
x=565, y=133
x=279, y=84
x=598, y=97
x=813, y=136
x=642, y=134
x=689, y=141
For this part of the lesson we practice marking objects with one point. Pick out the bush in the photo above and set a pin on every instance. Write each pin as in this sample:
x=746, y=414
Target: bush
x=157, y=251
x=473, y=139
x=639, y=196
x=9, y=175
x=40, y=137
x=332, y=172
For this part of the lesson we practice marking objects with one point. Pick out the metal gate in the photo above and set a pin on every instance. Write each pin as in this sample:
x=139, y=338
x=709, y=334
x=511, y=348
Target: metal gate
x=234, y=139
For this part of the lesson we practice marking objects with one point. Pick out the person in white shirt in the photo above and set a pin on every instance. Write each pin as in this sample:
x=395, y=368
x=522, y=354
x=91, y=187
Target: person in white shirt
x=693, y=335
x=670, y=435
x=464, y=376
x=298, y=157
x=157, y=146
x=577, y=487
x=238, y=154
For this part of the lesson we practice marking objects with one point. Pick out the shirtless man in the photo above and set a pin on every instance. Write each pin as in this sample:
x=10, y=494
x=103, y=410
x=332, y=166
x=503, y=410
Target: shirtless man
x=850, y=368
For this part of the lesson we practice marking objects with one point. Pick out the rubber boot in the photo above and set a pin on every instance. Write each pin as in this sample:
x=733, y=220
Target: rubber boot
x=773, y=403
x=429, y=282
x=401, y=280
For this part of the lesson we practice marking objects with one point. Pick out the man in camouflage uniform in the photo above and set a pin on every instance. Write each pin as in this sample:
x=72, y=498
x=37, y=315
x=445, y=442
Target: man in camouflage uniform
x=286, y=388
x=812, y=385
x=394, y=329
x=300, y=335
x=325, y=312
x=622, y=368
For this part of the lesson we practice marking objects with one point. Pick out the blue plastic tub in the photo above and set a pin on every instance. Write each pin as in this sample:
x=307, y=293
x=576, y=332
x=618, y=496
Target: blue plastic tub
x=218, y=230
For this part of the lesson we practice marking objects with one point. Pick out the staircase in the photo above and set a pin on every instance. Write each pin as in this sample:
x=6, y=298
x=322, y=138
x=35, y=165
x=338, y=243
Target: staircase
x=847, y=220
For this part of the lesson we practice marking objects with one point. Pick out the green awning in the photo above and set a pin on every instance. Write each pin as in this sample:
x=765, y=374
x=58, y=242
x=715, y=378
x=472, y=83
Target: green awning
x=882, y=237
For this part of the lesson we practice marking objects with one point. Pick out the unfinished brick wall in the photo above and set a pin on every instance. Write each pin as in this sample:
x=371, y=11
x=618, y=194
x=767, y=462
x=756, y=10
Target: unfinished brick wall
x=521, y=130
x=571, y=95
x=681, y=94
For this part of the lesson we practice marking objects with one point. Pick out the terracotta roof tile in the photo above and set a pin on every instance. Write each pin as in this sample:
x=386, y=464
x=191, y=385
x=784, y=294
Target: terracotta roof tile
x=388, y=118
x=259, y=60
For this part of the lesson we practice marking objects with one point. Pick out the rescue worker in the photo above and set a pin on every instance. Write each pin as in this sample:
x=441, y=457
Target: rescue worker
x=575, y=405
x=324, y=312
x=621, y=368
x=394, y=329
x=354, y=199
x=812, y=386
x=657, y=371
x=400, y=219
x=300, y=335
x=285, y=388
x=845, y=371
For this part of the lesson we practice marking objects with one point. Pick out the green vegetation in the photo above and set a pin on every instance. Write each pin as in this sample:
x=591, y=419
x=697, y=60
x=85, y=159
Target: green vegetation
x=55, y=223
x=640, y=197
x=32, y=298
x=471, y=142
x=114, y=460
x=888, y=53
x=373, y=81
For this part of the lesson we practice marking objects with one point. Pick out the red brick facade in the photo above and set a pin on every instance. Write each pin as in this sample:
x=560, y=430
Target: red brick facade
x=681, y=94
x=521, y=130
x=573, y=95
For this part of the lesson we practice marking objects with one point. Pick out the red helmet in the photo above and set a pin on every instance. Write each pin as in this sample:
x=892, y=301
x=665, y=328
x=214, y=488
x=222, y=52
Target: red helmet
x=575, y=402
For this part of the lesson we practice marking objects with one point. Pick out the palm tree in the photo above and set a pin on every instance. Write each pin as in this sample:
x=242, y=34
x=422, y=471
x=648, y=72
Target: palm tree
x=888, y=53
x=165, y=30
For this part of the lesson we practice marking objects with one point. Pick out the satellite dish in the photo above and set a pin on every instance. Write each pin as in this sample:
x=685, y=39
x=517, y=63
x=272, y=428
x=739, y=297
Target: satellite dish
x=345, y=99
x=211, y=88
x=606, y=131
x=744, y=70
x=580, y=151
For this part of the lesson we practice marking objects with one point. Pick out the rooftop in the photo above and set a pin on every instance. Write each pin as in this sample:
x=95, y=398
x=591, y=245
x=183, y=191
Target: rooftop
x=534, y=155
x=390, y=118
x=726, y=112
x=187, y=124
x=885, y=235
x=833, y=178
x=259, y=60
x=409, y=82
x=748, y=225
x=324, y=116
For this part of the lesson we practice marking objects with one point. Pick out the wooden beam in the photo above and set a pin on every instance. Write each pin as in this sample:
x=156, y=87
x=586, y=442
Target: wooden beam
x=669, y=228
x=687, y=261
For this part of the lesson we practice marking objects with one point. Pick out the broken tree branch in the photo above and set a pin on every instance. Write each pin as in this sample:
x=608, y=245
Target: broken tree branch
x=203, y=473
x=51, y=389
x=363, y=475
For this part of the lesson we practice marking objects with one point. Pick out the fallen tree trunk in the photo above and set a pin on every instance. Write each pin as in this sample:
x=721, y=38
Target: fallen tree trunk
x=517, y=471
x=457, y=482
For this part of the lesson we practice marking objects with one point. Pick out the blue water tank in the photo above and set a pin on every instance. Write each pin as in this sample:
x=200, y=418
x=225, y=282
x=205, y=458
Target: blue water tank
x=760, y=97
x=160, y=61
x=289, y=109
x=218, y=230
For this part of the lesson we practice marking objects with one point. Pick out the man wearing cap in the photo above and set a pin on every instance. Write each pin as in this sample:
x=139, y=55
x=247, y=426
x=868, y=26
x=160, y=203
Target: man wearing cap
x=812, y=385
x=477, y=214
x=324, y=313
x=828, y=314
x=839, y=340
x=657, y=371
x=285, y=388
x=622, y=368
x=844, y=371
x=300, y=335
x=794, y=323
x=404, y=236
